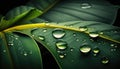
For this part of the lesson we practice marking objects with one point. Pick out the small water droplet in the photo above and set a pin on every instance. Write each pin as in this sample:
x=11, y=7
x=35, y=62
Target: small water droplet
x=96, y=50
x=44, y=30
x=112, y=45
x=71, y=49
x=77, y=39
x=101, y=33
x=61, y=45
x=41, y=38
x=25, y=54
x=74, y=34
x=104, y=60
x=61, y=55
x=93, y=34
x=58, y=33
x=83, y=29
x=85, y=49
x=85, y=5
x=4, y=51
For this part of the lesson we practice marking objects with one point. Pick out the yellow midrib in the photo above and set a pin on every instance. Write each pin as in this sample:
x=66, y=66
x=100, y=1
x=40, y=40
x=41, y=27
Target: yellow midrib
x=45, y=25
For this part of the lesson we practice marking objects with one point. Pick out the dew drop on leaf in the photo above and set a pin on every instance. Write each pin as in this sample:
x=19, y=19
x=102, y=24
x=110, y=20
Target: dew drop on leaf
x=61, y=55
x=61, y=45
x=93, y=34
x=4, y=51
x=104, y=60
x=25, y=54
x=96, y=50
x=58, y=33
x=41, y=38
x=85, y=49
x=83, y=29
x=44, y=30
x=71, y=49
x=85, y=5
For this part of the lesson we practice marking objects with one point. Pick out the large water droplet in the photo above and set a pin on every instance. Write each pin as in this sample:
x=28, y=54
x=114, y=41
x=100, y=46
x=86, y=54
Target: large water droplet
x=41, y=38
x=58, y=33
x=96, y=50
x=93, y=34
x=83, y=29
x=85, y=5
x=104, y=60
x=85, y=49
x=61, y=45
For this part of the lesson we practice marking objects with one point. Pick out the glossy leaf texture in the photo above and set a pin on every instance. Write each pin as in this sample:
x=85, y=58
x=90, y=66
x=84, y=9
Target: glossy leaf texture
x=79, y=44
x=19, y=51
x=71, y=10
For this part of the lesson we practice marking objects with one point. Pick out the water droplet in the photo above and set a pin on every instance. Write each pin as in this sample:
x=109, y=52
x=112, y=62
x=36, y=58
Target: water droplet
x=83, y=29
x=85, y=5
x=61, y=45
x=25, y=54
x=74, y=34
x=101, y=33
x=93, y=35
x=44, y=30
x=71, y=49
x=16, y=38
x=85, y=49
x=61, y=55
x=112, y=45
x=104, y=60
x=4, y=50
x=96, y=50
x=41, y=38
x=58, y=33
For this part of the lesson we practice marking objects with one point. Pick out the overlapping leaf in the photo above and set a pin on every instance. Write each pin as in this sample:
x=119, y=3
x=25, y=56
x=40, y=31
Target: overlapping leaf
x=70, y=10
x=19, y=51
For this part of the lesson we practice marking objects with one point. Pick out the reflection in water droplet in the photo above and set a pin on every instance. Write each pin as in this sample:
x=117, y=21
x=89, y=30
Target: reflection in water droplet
x=83, y=29
x=85, y=49
x=96, y=50
x=58, y=33
x=93, y=34
x=41, y=38
x=61, y=45
x=85, y=5
x=104, y=60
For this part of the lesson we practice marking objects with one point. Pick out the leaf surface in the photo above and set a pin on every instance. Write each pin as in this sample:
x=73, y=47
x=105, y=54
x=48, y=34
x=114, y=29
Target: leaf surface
x=74, y=47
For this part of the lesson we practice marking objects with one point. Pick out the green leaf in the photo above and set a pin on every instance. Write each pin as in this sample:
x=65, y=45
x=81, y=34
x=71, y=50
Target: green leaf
x=78, y=44
x=22, y=13
x=72, y=10
x=19, y=51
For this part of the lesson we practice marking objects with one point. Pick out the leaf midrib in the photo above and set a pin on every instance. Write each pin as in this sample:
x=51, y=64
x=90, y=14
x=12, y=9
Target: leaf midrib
x=47, y=25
